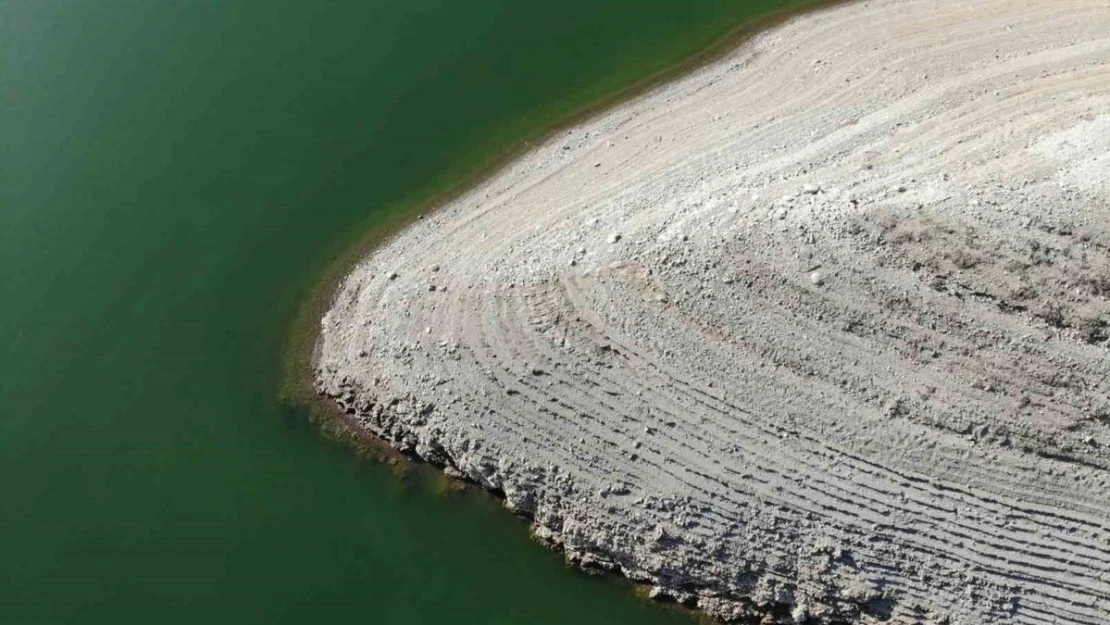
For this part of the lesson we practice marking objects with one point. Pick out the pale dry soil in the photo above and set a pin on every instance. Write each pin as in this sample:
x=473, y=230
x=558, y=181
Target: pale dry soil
x=816, y=334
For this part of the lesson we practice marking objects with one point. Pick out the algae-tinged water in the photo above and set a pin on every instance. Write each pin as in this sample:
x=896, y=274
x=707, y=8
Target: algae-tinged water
x=174, y=176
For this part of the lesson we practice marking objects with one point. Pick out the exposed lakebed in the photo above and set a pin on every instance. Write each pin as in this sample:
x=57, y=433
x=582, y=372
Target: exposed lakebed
x=815, y=334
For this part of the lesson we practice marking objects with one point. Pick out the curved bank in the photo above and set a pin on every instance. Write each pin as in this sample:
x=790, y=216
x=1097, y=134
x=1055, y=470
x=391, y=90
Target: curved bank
x=817, y=333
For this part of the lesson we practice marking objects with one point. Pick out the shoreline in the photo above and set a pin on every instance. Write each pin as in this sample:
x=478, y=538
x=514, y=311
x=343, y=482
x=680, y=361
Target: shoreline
x=300, y=344
x=532, y=349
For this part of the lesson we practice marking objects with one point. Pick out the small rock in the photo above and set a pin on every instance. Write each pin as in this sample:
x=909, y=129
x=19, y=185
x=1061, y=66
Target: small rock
x=393, y=275
x=811, y=189
x=817, y=278
x=615, y=237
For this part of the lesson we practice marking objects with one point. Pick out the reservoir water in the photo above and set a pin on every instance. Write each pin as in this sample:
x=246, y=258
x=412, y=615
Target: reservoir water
x=175, y=177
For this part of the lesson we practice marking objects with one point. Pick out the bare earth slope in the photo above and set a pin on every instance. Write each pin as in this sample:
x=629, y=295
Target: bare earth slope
x=818, y=333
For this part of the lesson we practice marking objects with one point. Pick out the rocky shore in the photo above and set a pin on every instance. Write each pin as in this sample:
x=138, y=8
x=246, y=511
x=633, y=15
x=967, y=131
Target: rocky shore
x=819, y=333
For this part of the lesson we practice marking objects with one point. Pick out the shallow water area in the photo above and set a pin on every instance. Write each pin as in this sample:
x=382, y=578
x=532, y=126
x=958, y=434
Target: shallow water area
x=176, y=176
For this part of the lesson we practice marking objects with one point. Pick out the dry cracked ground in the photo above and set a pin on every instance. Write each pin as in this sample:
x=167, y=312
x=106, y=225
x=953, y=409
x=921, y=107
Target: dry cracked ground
x=819, y=333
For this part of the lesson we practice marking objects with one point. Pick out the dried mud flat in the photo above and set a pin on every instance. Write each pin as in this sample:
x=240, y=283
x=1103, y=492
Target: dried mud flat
x=818, y=333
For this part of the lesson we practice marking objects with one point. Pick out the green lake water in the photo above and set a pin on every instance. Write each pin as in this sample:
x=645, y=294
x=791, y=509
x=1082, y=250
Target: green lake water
x=174, y=177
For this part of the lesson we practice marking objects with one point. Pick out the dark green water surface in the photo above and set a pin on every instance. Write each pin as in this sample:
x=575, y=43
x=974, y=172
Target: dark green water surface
x=174, y=176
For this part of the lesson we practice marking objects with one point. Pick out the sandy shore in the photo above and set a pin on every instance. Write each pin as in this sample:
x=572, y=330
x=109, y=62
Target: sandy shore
x=818, y=333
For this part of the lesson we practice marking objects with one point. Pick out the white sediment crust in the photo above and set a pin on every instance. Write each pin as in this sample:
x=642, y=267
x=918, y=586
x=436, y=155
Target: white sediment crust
x=817, y=333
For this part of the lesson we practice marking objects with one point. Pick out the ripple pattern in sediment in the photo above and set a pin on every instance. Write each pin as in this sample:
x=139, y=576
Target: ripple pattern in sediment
x=818, y=333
